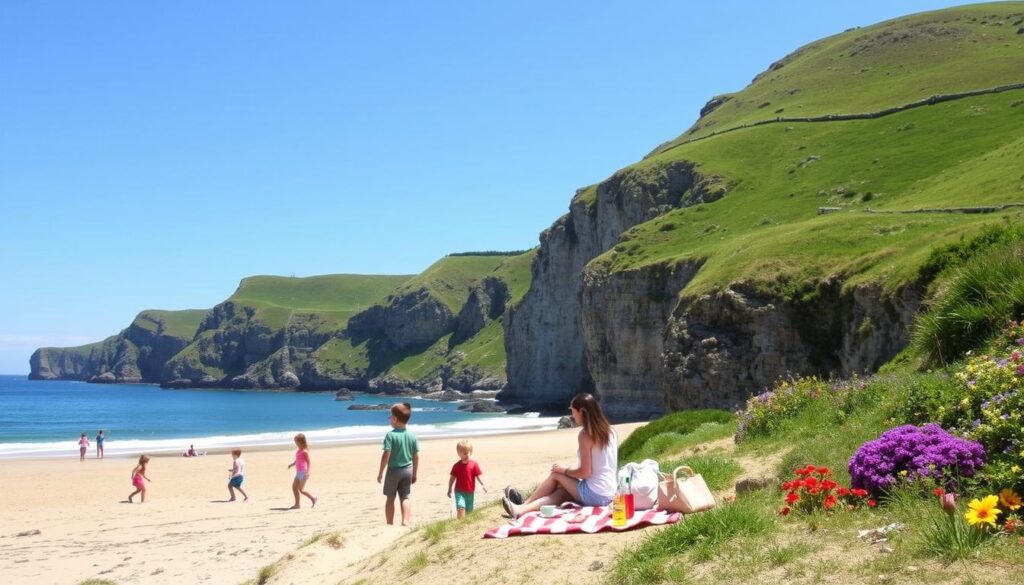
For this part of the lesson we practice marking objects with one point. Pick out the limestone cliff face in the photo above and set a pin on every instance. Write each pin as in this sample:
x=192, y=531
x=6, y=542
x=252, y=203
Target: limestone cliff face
x=723, y=347
x=234, y=348
x=407, y=320
x=544, y=338
x=486, y=301
x=624, y=319
x=136, y=354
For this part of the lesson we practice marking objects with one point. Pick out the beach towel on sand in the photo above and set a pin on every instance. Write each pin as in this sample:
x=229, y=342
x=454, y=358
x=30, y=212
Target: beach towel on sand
x=573, y=519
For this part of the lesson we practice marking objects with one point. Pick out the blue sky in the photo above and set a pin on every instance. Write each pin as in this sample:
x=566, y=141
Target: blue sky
x=153, y=154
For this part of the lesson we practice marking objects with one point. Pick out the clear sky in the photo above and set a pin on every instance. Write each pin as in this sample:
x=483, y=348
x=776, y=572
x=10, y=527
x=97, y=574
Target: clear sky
x=153, y=154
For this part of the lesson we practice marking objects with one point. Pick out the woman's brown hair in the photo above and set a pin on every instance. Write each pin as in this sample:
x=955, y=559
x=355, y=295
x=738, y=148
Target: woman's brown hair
x=594, y=422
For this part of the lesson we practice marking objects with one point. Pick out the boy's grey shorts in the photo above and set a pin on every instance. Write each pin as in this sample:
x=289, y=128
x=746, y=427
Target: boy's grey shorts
x=398, y=480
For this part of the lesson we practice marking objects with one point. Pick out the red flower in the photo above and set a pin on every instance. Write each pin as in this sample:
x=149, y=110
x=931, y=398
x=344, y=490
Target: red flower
x=871, y=503
x=859, y=492
x=801, y=471
x=830, y=501
x=823, y=470
x=828, y=484
x=939, y=491
x=810, y=469
x=811, y=482
x=784, y=511
x=792, y=497
x=843, y=492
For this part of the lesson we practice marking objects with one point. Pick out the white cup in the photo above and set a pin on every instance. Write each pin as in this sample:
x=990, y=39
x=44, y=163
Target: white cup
x=548, y=511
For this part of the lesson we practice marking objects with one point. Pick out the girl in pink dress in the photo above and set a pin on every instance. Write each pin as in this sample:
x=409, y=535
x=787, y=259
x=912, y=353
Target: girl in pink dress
x=301, y=465
x=139, y=479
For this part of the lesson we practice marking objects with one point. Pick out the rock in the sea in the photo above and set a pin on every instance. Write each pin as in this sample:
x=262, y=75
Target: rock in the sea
x=446, y=396
x=369, y=407
x=344, y=394
x=478, y=406
x=566, y=422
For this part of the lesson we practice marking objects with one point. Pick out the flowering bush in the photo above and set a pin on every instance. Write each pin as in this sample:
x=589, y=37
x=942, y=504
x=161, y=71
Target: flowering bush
x=914, y=453
x=989, y=405
x=768, y=411
x=813, y=489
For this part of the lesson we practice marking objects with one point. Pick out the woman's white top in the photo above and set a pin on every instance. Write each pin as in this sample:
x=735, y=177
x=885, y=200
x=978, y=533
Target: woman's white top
x=604, y=466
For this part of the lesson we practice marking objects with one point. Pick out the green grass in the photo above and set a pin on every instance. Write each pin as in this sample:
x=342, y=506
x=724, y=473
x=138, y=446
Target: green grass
x=680, y=423
x=449, y=278
x=416, y=563
x=718, y=470
x=767, y=229
x=972, y=305
x=699, y=534
x=894, y=62
x=181, y=324
x=334, y=292
x=515, y=271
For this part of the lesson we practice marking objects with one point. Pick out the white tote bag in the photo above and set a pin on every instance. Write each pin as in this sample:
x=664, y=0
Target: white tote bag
x=643, y=482
x=687, y=494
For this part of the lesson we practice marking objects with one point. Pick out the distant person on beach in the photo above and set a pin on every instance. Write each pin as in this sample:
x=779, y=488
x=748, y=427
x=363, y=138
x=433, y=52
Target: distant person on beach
x=593, y=483
x=83, y=446
x=401, y=458
x=301, y=465
x=191, y=451
x=139, y=479
x=236, y=475
x=99, y=445
x=464, y=475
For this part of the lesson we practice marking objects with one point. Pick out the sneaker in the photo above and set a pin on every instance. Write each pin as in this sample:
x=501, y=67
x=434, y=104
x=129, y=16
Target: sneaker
x=513, y=495
x=507, y=504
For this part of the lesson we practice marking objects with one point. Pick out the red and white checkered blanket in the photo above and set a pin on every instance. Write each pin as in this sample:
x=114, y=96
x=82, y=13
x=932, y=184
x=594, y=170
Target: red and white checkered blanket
x=575, y=520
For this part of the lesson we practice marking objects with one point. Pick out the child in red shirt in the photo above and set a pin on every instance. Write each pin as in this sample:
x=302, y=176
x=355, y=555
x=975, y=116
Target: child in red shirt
x=465, y=474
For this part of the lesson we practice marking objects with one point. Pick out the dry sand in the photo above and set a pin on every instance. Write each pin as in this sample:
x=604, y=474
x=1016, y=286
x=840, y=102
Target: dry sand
x=187, y=533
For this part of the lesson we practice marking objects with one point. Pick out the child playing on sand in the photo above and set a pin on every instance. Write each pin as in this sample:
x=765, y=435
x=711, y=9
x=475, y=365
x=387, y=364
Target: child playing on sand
x=138, y=475
x=83, y=446
x=99, y=444
x=464, y=476
x=402, y=460
x=301, y=465
x=236, y=475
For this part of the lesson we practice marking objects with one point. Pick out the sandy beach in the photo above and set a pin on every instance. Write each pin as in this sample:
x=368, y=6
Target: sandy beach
x=187, y=533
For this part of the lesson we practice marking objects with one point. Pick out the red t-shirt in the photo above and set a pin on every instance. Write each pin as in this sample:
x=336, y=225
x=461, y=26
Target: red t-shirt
x=465, y=476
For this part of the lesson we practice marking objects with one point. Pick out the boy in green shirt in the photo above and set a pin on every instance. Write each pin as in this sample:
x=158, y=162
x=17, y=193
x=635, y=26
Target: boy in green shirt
x=401, y=458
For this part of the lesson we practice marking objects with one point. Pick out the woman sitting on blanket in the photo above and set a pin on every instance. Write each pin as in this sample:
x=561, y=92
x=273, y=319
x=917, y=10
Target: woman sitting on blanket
x=590, y=484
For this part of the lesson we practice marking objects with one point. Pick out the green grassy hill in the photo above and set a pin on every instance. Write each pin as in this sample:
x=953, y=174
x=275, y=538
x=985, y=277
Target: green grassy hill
x=894, y=62
x=449, y=278
x=959, y=153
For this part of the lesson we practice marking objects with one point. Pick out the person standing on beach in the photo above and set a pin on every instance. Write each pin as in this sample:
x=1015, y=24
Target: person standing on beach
x=401, y=458
x=83, y=446
x=301, y=465
x=99, y=444
x=236, y=475
x=463, y=477
x=139, y=479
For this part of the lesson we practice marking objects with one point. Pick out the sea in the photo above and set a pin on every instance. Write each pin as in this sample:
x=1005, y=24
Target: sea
x=46, y=418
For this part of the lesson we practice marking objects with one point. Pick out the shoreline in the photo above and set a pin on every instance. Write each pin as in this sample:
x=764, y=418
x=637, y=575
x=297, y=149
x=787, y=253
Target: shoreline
x=275, y=440
x=187, y=533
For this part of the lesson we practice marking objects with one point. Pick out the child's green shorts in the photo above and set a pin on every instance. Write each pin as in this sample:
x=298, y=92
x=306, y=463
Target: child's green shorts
x=464, y=501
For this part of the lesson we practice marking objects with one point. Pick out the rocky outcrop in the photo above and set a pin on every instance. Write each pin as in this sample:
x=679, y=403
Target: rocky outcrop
x=722, y=347
x=413, y=319
x=486, y=301
x=544, y=340
x=624, y=318
x=136, y=354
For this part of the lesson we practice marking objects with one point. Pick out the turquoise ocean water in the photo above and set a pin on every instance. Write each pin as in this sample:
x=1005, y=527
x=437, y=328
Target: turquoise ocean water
x=40, y=418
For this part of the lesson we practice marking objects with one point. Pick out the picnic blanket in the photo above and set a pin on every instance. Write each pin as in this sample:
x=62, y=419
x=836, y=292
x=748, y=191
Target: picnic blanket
x=573, y=519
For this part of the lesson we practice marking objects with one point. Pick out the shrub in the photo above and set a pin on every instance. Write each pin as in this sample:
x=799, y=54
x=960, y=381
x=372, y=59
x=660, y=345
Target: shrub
x=914, y=453
x=767, y=412
x=989, y=404
x=980, y=297
x=677, y=422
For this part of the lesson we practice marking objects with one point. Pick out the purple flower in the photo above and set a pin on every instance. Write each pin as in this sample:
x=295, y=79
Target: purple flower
x=920, y=451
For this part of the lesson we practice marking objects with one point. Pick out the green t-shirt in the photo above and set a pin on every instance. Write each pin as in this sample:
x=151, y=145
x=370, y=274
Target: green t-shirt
x=402, y=445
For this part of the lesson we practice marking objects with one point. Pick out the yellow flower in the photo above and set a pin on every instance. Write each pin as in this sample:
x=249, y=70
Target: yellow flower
x=1015, y=469
x=1009, y=499
x=983, y=511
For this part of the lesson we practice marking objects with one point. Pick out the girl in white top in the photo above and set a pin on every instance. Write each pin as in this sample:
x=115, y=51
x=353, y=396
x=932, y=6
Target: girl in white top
x=593, y=482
